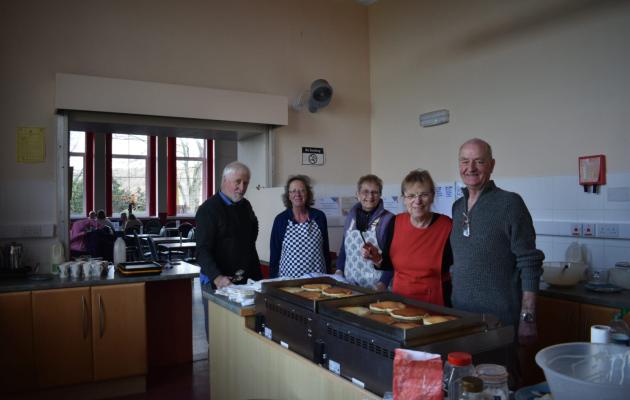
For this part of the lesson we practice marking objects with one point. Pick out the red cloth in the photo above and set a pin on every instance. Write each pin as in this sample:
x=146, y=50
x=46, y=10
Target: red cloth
x=417, y=376
x=416, y=255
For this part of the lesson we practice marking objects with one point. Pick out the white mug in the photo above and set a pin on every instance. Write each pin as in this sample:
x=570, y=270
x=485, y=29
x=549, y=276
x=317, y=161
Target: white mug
x=76, y=269
x=64, y=269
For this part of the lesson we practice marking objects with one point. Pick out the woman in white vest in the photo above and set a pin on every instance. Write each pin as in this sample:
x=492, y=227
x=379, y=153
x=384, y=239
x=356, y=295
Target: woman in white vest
x=365, y=234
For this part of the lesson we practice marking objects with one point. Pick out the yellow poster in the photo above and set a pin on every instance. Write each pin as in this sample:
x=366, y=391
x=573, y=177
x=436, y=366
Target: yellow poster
x=31, y=145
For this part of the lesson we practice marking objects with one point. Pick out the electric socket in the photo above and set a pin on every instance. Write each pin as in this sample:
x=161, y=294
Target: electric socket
x=588, y=230
x=608, y=230
x=576, y=230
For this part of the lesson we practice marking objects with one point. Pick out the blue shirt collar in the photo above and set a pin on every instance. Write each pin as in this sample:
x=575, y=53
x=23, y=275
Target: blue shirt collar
x=226, y=199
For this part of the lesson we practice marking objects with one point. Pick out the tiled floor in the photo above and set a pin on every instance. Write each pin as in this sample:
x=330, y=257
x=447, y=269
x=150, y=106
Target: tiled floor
x=187, y=381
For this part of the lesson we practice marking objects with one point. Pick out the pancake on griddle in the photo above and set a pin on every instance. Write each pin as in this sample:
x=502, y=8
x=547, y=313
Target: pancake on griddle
x=437, y=319
x=382, y=318
x=356, y=310
x=337, y=292
x=384, y=307
x=292, y=289
x=310, y=295
x=409, y=314
x=315, y=287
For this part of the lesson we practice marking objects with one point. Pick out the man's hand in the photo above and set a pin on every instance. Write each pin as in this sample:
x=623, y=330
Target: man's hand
x=527, y=333
x=222, y=281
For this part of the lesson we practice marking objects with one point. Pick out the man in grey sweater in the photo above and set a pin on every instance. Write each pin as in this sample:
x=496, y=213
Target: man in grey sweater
x=496, y=266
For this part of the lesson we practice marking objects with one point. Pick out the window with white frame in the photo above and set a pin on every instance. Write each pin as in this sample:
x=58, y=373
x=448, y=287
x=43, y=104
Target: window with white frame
x=191, y=155
x=130, y=173
x=77, y=164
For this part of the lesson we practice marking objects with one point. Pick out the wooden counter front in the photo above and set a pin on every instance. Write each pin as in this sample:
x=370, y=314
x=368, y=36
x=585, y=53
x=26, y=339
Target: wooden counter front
x=246, y=365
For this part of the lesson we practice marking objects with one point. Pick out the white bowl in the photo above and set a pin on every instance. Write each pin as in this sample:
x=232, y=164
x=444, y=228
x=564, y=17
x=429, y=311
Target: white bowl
x=563, y=273
x=586, y=371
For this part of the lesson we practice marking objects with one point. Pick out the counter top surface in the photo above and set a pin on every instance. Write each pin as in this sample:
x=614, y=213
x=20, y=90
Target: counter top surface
x=580, y=294
x=183, y=270
x=236, y=308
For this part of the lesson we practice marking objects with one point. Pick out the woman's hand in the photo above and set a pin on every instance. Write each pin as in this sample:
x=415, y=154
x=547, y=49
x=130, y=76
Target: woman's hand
x=380, y=287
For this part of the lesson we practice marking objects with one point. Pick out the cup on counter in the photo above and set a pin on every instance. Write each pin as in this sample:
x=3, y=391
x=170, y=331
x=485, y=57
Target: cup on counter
x=76, y=269
x=64, y=269
x=600, y=334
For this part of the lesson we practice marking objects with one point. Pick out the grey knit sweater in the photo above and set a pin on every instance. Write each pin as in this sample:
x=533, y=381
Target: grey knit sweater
x=499, y=259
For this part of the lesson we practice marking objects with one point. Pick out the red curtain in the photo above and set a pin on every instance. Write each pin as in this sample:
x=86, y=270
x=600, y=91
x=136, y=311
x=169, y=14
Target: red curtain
x=108, y=173
x=210, y=169
x=171, y=176
x=89, y=172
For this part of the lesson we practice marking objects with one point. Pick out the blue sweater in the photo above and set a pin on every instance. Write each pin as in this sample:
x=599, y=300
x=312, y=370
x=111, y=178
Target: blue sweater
x=279, y=230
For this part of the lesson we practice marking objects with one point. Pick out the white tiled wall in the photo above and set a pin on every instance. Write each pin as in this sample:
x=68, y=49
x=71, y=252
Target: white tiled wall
x=557, y=201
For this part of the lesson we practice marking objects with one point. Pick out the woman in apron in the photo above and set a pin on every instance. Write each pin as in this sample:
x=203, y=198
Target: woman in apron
x=299, y=237
x=362, y=247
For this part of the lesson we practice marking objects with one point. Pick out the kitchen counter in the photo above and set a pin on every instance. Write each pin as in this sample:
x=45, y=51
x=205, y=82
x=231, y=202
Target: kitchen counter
x=246, y=365
x=236, y=308
x=580, y=294
x=183, y=270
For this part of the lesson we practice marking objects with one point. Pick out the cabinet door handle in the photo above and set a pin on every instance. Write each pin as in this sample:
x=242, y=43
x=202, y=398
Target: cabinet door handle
x=101, y=316
x=84, y=319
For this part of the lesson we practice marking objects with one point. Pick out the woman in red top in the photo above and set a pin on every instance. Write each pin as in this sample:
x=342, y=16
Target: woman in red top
x=419, y=251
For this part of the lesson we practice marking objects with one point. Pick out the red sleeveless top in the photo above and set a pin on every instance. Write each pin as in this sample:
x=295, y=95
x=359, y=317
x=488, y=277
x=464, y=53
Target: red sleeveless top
x=416, y=255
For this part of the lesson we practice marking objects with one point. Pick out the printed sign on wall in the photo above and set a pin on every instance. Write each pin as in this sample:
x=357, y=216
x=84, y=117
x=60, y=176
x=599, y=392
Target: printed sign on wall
x=312, y=156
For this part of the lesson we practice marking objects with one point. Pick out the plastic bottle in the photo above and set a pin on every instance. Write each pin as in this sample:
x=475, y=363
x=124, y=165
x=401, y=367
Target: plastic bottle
x=120, y=251
x=57, y=256
x=472, y=389
x=457, y=365
x=495, y=381
x=619, y=330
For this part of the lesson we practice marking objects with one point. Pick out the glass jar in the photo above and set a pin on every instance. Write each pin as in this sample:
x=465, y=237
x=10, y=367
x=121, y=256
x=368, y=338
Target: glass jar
x=472, y=389
x=457, y=365
x=495, y=381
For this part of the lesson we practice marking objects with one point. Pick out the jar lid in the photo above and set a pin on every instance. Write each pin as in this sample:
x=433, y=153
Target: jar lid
x=472, y=384
x=459, y=358
x=492, y=373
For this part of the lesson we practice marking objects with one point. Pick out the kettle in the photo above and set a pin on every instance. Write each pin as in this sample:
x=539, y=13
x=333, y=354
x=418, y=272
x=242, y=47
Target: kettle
x=14, y=253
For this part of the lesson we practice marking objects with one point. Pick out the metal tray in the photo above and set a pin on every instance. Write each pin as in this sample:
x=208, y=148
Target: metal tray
x=136, y=268
x=273, y=289
x=466, y=323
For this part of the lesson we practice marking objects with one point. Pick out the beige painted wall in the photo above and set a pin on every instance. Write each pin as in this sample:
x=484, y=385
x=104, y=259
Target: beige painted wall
x=274, y=46
x=544, y=81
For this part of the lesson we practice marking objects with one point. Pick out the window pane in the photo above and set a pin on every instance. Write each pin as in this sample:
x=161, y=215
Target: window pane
x=189, y=186
x=188, y=147
x=77, y=142
x=77, y=201
x=123, y=144
x=129, y=184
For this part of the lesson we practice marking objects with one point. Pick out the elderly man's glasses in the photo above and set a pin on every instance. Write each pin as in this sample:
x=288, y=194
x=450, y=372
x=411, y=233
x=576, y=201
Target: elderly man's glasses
x=366, y=193
x=414, y=196
x=466, y=225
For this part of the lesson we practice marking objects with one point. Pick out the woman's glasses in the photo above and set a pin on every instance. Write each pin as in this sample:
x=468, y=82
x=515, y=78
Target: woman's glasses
x=367, y=193
x=466, y=225
x=297, y=191
x=414, y=196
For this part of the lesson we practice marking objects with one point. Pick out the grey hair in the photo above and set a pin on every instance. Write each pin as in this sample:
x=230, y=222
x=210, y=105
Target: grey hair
x=479, y=142
x=233, y=167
